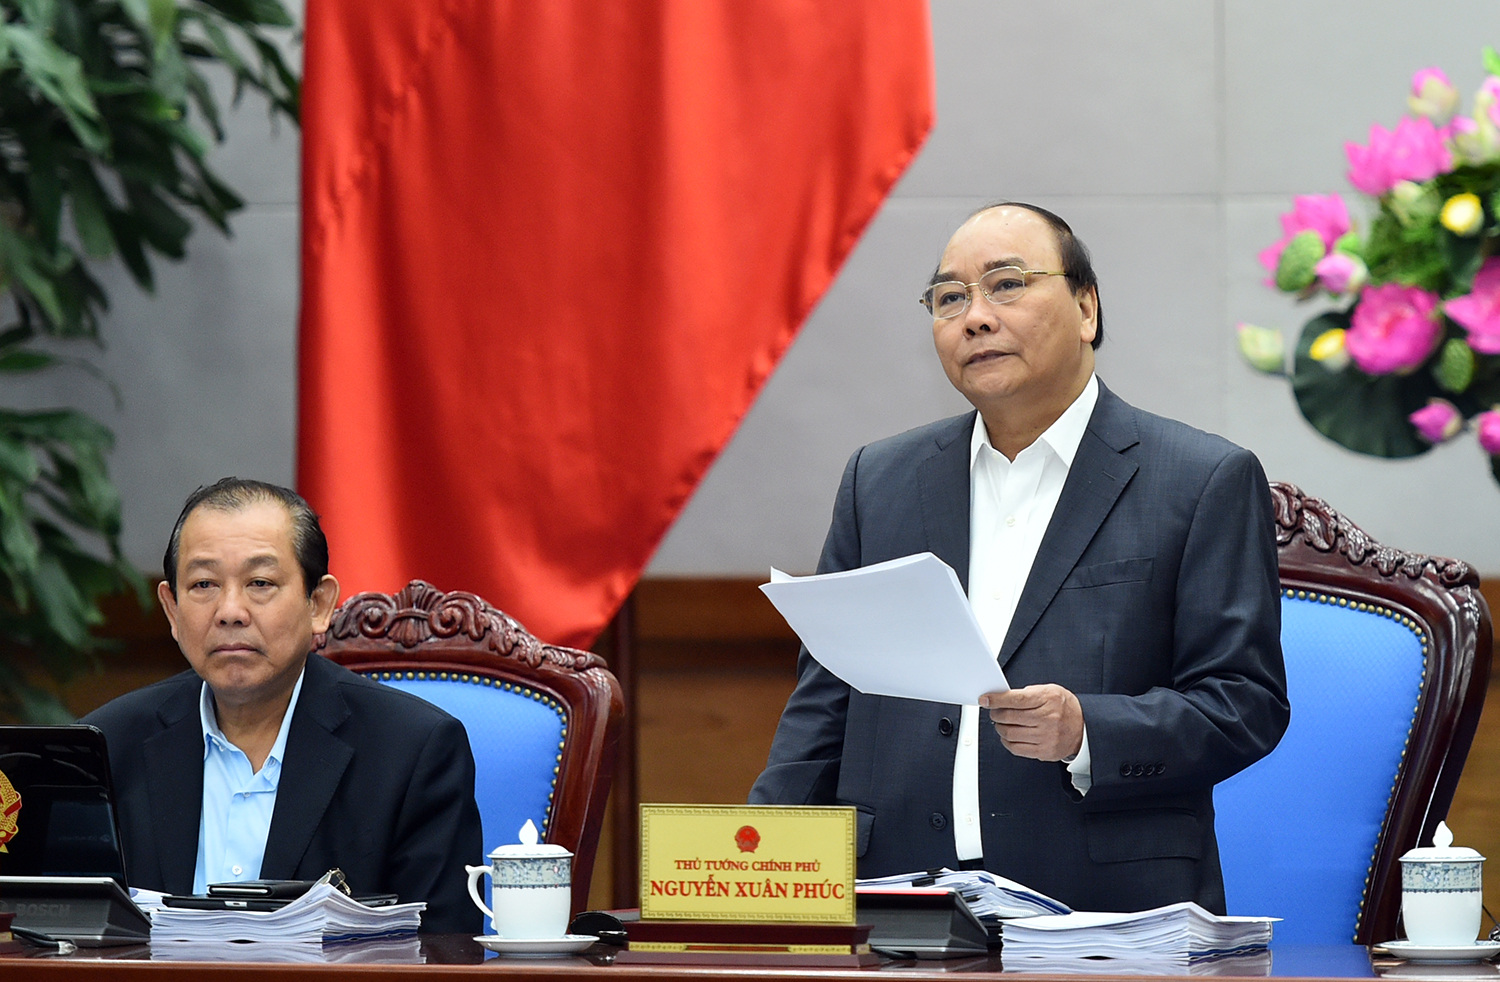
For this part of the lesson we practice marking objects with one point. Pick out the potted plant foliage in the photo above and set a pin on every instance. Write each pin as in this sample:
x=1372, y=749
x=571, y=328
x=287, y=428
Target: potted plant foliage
x=107, y=114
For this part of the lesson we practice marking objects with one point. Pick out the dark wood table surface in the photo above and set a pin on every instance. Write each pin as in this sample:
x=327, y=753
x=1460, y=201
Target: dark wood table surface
x=433, y=957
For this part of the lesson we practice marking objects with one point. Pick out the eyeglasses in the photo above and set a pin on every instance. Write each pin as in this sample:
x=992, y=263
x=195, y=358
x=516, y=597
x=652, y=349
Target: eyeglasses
x=951, y=298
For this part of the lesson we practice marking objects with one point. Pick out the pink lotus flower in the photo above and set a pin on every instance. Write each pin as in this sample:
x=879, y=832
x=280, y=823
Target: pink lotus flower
x=1432, y=95
x=1488, y=425
x=1479, y=310
x=1437, y=421
x=1487, y=101
x=1325, y=214
x=1415, y=151
x=1394, y=329
x=1341, y=273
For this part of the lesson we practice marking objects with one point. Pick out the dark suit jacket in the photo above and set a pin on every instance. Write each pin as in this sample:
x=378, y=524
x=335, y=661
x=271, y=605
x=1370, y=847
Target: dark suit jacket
x=1153, y=597
x=376, y=782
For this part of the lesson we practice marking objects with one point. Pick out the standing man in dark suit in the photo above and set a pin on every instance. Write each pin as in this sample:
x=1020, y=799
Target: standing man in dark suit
x=1121, y=565
x=264, y=762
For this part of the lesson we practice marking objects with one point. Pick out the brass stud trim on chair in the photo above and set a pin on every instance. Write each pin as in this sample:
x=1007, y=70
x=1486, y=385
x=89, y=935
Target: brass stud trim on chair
x=515, y=687
x=1425, y=642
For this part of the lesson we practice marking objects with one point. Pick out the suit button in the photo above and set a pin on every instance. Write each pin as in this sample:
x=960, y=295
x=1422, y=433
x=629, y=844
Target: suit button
x=1161, y=768
x=1124, y=770
x=1137, y=770
x=938, y=821
x=945, y=726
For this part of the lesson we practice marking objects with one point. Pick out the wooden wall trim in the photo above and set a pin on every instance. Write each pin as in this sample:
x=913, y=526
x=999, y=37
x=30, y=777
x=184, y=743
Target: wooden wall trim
x=691, y=609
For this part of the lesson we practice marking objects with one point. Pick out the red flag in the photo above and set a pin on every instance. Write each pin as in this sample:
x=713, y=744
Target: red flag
x=550, y=253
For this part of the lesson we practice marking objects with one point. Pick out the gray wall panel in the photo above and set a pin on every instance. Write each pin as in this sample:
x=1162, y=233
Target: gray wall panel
x=1172, y=133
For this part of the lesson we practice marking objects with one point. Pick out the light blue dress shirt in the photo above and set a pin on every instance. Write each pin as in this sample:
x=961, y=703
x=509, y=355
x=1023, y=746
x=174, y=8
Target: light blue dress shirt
x=237, y=800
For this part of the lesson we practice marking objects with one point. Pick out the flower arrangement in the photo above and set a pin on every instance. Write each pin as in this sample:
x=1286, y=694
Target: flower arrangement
x=1409, y=357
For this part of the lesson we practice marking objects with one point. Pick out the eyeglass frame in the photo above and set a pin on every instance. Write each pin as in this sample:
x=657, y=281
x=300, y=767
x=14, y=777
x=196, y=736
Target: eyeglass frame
x=969, y=298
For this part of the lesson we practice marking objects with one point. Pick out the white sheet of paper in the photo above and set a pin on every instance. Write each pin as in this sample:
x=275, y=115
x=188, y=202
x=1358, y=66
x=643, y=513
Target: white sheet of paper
x=900, y=628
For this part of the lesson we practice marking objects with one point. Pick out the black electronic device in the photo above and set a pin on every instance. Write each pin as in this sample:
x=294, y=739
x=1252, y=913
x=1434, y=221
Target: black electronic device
x=262, y=889
x=90, y=911
x=57, y=815
x=198, y=901
x=63, y=872
x=920, y=923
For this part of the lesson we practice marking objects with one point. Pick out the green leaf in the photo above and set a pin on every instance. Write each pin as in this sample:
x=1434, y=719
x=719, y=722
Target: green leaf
x=268, y=12
x=58, y=75
x=90, y=211
x=1366, y=413
x=125, y=229
x=22, y=260
x=44, y=181
x=19, y=543
x=171, y=74
x=17, y=461
x=67, y=613
x=203, y=97
x=1463, y=255
x=1350, y=245
x=1491, y=60
x=158, y=222
x=26, y=361
x=157, y=17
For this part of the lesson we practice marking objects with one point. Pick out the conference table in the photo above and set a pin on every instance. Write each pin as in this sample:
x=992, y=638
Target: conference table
x=434, y=957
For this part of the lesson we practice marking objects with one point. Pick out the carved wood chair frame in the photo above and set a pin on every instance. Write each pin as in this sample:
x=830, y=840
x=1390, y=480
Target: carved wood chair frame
x=458, y=635
x=1322, y=553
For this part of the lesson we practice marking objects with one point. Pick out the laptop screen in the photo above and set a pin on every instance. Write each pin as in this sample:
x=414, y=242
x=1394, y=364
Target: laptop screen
x=56, y=804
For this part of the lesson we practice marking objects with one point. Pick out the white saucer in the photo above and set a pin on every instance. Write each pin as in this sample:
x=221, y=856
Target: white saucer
x=565, y=945
x=1472, y=952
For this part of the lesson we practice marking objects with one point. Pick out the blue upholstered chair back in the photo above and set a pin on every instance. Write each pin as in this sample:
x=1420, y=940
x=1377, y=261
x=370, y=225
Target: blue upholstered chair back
x=516, y=733
x=1299, y=829
x=1387, y=662
x=543, y=721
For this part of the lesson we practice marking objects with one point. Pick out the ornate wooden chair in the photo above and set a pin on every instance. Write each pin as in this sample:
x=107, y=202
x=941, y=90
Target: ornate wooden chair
x=1388, y=657
x=543, y=721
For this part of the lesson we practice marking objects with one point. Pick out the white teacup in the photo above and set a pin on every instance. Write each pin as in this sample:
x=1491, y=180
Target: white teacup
x=531, y=888
x=1441, y=894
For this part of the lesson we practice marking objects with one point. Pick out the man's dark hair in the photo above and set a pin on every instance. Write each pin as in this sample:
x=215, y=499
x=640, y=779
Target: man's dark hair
x=1077, y=267
x=235, y=493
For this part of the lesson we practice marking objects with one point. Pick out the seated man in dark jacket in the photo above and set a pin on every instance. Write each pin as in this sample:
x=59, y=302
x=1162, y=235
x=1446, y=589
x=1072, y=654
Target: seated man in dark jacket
x=263, y=762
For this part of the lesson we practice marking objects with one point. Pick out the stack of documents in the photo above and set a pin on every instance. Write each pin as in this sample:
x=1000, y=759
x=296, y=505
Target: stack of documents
x=989, y=896
x=1251, y=964
x=1184, y=932
x=321, y=915
x=384, y=951
x=148, y=901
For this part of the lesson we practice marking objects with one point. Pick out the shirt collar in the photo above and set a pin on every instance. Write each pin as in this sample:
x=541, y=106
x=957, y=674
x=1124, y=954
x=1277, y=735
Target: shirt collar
x=213, y=735
x=1062, y=437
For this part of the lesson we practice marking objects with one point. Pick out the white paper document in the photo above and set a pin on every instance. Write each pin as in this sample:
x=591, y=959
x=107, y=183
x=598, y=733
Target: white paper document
x=900, y=628
x=1182, y=929
x=319, y=916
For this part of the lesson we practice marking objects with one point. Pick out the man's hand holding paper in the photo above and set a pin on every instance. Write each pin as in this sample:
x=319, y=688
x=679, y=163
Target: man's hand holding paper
x=1044, y=722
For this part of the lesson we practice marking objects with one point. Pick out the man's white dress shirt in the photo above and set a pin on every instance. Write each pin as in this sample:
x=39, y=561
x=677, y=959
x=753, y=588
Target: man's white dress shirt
x=1010, y=505
x=238, y=800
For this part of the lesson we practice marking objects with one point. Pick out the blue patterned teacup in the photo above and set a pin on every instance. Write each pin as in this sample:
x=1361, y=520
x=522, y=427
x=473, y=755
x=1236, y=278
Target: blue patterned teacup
x=1441, y=894
x=531, y=888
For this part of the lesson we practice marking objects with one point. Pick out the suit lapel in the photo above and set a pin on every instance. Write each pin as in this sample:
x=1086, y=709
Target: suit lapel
x=1099, y=474
x=315, y=762
x=174, y=779
x=945, y=498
